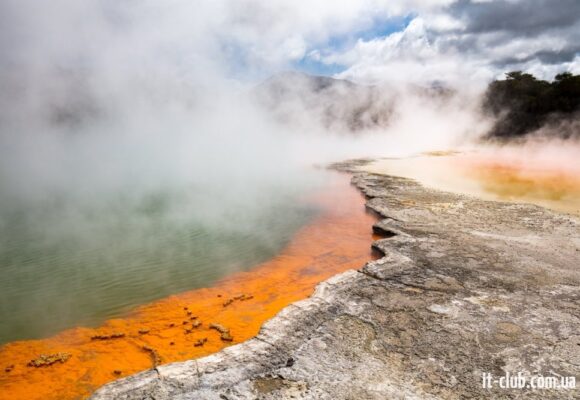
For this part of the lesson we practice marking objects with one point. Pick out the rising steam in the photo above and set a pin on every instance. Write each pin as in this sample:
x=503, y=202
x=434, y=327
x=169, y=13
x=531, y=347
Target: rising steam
x=138, y=115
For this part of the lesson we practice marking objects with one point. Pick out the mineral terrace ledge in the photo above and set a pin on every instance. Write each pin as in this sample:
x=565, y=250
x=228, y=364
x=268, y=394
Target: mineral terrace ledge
x=465, y=287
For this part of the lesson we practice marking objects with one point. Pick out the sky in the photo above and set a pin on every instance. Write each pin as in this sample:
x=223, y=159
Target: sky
x=420, y=40
x=248, y=40
x=459, y=40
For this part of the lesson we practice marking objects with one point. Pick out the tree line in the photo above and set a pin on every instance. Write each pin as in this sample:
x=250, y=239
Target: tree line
x=522, y=104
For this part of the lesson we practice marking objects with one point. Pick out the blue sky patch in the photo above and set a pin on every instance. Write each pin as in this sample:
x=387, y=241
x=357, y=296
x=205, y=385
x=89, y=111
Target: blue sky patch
x=379, y=28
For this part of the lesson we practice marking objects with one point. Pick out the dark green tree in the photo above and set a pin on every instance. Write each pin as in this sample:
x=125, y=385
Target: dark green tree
x=522, y=104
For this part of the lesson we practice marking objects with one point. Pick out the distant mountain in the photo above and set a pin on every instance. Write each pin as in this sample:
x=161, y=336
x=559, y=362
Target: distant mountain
x=338, y=105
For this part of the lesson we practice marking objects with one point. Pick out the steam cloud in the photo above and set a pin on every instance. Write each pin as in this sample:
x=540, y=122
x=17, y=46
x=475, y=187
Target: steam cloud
x=110, y=106
x=107, y=95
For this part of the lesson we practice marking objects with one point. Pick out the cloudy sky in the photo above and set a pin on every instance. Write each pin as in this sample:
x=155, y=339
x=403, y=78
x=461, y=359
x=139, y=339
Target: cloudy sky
x=408, y=40
x=477, y=39
x=363, y=40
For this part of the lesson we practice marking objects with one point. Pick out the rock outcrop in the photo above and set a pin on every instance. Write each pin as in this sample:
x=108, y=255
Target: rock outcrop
x=465, y=287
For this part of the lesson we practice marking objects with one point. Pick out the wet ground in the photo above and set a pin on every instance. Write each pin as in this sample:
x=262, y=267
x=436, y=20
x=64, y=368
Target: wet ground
x=79, y=360
x=492, y=175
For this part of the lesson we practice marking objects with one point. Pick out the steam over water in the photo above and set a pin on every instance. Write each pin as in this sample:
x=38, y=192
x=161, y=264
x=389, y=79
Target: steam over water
x=63, y=266
x=140, y=157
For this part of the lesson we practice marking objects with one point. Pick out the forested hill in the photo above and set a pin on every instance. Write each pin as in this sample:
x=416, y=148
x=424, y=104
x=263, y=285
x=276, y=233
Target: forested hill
x=523, y=104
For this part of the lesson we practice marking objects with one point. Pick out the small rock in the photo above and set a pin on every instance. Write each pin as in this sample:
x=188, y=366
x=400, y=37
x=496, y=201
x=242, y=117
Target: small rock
x=218, y=327
x=45, y=360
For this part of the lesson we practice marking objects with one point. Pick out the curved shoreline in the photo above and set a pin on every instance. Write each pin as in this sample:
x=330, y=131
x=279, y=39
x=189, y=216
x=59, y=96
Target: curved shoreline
x=465, y=287
x=178, y=328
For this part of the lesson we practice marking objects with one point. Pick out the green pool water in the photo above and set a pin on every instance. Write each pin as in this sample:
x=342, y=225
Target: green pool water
x=68, y=262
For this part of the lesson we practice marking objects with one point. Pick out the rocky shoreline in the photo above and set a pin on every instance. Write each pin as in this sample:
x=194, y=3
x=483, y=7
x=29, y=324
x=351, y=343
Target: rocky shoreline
x=466, y=287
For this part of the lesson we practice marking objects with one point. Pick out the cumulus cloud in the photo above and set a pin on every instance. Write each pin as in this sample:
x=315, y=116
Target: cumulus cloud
x=412, y=55
x=469, y=40
x=253, y=38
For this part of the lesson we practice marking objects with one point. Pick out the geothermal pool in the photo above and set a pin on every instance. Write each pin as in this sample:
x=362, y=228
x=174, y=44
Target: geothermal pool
x=142, y=287
x=514, y=176
x=319, y=234
x=71, y=267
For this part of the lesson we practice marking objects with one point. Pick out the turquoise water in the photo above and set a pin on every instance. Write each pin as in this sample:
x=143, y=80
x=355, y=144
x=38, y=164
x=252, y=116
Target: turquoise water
x=67, y=262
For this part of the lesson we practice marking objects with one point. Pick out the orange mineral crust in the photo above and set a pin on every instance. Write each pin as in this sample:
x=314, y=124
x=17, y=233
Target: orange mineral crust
x=550, y=185
x=74, y=363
